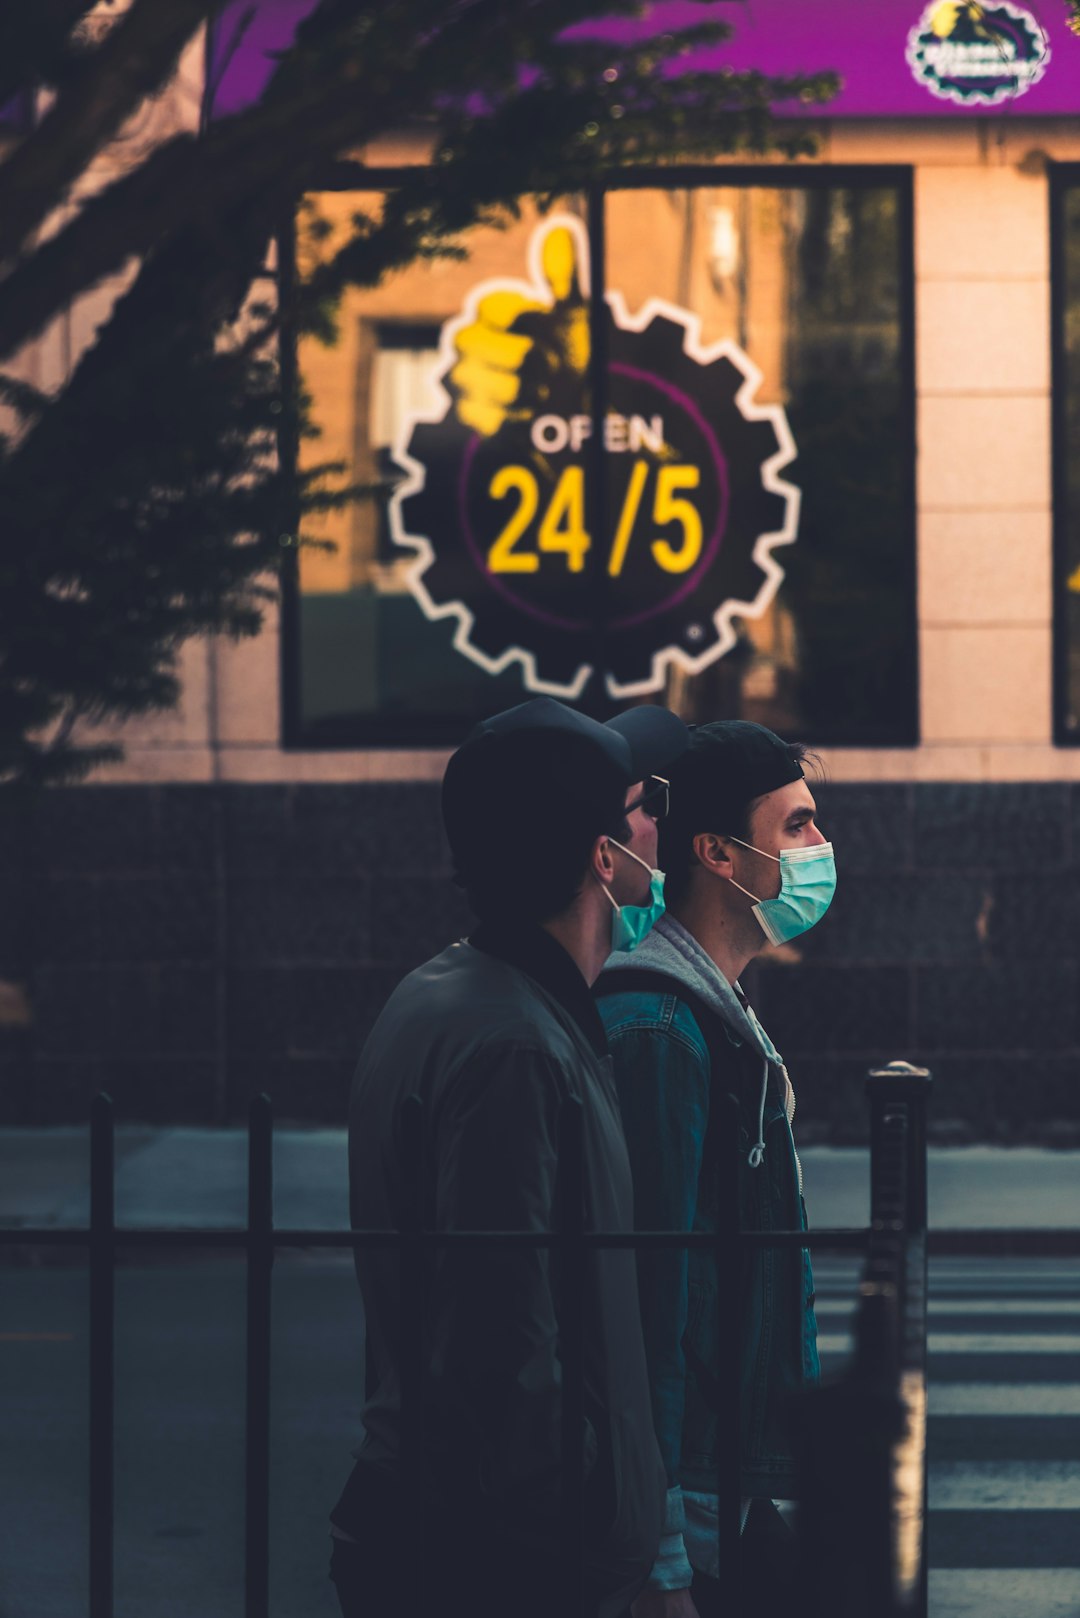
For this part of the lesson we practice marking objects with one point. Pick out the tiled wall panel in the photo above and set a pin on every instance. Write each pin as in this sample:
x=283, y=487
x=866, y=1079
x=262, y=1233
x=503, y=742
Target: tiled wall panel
x=188, y=947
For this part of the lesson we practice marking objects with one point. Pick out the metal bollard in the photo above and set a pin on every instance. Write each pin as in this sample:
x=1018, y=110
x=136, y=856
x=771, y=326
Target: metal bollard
x=901, y=1082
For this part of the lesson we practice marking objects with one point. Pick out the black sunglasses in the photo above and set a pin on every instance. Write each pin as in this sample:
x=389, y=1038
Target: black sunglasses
x=655, y=800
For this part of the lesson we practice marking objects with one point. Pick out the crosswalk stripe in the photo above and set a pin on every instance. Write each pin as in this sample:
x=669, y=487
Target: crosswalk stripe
x=1004, y=1399
x=1059, y=1343
x=1004, y=1437
x=1005, y=1486
x=993, y=1537
x=1036, y=1301
x=1017, y=1368
x=969, y=1278
x=1013, y=1267
x=1040, y=1592
x=970, y=1286
x=1067, y=1308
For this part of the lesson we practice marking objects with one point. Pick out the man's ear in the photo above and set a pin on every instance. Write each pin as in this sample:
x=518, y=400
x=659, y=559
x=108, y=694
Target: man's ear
x=713, y=853
x=601, y=860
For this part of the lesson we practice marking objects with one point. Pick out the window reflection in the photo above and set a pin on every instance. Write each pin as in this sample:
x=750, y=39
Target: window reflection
x=371, y=666
x=807, y=279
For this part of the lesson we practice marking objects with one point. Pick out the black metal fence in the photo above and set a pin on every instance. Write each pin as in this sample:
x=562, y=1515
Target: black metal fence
x=862, y=1438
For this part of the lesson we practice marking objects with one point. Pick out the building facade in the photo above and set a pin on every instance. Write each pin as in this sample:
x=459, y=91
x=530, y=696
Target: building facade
x=826, y=414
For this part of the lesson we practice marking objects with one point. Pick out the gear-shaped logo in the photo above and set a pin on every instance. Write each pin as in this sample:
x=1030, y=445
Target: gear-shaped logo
x=977, y=55
x=494, y=500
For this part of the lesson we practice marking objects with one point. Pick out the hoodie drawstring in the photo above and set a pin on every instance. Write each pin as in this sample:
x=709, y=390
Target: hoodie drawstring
x=757, y=1151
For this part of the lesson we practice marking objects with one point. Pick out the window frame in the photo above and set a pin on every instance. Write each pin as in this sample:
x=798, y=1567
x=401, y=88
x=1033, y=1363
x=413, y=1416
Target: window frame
x=1063, y=177
x=403, y=732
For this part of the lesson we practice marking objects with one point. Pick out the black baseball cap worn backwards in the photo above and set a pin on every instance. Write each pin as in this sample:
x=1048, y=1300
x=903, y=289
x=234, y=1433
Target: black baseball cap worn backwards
x=728, y=764
x=542, y=764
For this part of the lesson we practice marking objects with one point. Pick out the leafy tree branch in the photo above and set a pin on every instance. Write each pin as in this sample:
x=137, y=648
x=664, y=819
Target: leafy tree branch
x=142, y=501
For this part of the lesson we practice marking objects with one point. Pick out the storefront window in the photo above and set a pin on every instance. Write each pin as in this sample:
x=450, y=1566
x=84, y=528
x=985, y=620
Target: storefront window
x=752, y=479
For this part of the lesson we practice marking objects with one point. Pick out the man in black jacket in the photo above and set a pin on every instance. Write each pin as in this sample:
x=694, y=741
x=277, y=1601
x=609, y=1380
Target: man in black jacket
x=552, y=823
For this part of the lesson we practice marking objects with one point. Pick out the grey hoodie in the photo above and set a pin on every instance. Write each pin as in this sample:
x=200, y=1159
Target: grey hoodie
x=670, y=949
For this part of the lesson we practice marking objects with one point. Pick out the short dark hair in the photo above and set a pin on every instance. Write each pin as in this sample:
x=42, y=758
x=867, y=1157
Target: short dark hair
x=730, y=766
x=556, y=874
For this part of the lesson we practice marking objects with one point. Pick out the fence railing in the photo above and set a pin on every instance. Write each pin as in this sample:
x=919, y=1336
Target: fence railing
x=862, y=1439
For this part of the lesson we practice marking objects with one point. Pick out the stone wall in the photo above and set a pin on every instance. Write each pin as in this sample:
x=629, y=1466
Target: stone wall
x=185, y=947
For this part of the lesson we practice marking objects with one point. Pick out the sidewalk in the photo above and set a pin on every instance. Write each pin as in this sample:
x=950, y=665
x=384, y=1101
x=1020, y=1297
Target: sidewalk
x=197, y=1178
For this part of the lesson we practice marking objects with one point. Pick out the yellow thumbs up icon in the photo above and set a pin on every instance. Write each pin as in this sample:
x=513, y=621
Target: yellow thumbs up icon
x=948, y=17
x=520, y=340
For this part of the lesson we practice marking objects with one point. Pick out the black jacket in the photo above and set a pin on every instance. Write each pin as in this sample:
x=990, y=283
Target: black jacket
x=495, y=1035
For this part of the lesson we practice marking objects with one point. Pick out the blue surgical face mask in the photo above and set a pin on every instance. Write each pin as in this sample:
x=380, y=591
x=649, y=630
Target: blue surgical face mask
x=807, y=884
x=631, y=923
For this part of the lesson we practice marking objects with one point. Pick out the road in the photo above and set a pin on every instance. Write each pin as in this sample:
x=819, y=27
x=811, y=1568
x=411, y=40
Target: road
x=1004, y=1431
x=179, y=1426
x=1004, y=1434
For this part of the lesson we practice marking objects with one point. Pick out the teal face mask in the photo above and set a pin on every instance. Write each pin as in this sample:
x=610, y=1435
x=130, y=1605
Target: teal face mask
x=631, y=923
x=807, y=885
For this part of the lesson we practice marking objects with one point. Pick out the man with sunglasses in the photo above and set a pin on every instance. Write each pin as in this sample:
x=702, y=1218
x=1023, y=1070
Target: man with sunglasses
x=547, y=814
x=655, y=798
x=746, y=867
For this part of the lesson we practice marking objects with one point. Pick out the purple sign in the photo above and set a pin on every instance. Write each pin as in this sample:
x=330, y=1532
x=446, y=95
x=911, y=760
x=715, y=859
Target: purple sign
x=1025, y=55
x=897, y=58
x=246, y=37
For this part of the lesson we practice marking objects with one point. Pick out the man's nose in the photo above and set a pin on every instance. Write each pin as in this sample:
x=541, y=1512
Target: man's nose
x=818, y=837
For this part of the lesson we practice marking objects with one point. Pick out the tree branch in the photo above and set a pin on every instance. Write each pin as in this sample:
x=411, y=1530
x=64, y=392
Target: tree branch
x=329, y=108
x=175, y=509
x=316, y=105
x=35, y=43
x=129, y=66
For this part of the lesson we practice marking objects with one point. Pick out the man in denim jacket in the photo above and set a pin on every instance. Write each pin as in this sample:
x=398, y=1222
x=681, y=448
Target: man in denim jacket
x=746, y=866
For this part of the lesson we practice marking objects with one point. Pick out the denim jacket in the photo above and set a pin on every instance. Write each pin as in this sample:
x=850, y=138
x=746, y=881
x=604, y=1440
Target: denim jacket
x=669, y=1072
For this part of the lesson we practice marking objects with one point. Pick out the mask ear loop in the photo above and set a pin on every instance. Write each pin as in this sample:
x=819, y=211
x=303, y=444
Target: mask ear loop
x=611, y=899
x=753, y=850
x=741, y=889
x=615, y=905
x=614, y=841
x=774, y=857
x=756, y=1155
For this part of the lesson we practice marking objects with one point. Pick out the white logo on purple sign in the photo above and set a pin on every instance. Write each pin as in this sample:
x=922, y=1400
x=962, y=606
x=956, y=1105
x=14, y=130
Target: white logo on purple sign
x=977, y=55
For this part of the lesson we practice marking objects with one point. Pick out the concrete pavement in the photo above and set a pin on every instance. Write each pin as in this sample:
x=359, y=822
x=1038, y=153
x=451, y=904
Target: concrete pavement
x=197, y=1178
